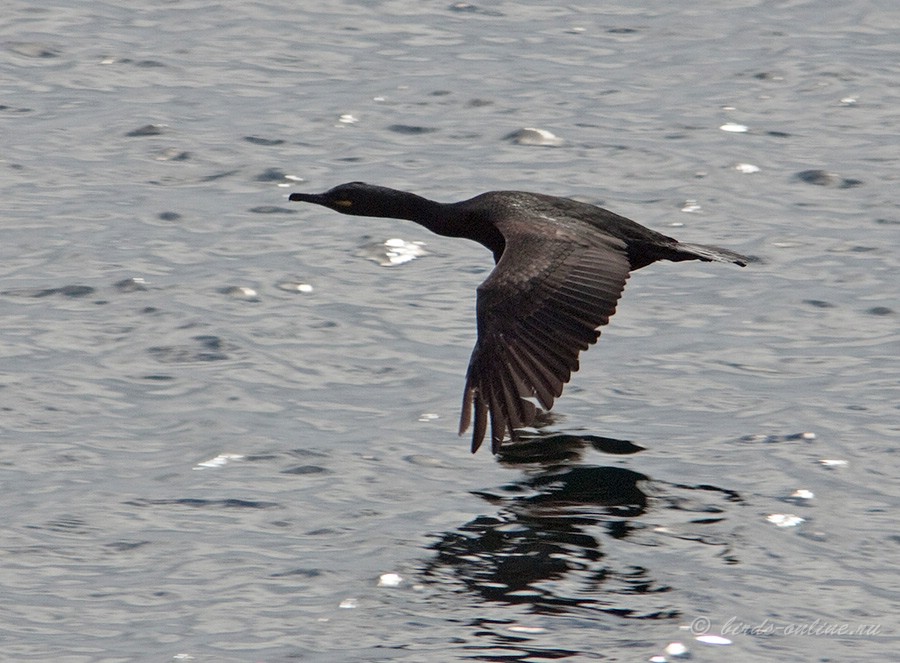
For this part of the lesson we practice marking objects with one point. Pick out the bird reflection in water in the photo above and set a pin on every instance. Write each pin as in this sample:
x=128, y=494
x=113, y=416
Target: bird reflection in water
x=543, y=548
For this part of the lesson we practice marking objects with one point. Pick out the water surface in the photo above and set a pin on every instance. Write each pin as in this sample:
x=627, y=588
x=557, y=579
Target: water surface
x=203, y=461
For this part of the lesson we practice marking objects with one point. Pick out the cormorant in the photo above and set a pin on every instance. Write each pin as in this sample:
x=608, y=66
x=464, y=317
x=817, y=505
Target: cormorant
x=561, y=266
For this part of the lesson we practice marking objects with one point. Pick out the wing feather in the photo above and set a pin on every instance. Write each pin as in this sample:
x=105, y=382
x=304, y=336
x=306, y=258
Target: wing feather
x=539, y=308
x=541, y=382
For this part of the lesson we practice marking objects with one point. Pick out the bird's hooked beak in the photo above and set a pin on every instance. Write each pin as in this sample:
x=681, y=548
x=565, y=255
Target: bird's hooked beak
x=307, y=198
x=339, y=204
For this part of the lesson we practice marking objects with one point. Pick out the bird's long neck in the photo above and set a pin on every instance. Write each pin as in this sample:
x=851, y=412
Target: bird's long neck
x=441, y=218
x=448, y=219
x=409, y=206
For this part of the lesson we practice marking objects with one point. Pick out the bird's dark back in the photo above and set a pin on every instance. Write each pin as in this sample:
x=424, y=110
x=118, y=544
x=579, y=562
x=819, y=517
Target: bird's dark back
x=542, y=213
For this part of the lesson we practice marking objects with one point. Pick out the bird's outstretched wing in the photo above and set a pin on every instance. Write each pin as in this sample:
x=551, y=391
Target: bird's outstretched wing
x=540, y=306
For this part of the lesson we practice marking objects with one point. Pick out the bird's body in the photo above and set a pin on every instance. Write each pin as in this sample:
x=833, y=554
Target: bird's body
x=561, y=266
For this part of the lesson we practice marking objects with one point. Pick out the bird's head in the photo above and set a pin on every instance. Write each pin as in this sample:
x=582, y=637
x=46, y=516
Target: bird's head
x=357, y=198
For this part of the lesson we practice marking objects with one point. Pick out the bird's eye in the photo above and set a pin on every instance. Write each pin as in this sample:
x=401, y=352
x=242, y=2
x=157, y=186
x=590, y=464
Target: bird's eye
x=343, y=202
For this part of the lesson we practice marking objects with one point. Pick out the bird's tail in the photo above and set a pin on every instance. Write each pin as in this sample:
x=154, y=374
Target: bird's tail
x=711, y=254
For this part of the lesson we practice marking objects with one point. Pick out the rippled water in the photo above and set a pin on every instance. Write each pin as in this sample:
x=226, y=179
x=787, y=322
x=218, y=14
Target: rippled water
x=224, y=422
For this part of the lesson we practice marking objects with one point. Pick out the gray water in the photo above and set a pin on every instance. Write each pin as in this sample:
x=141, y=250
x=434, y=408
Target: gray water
x=203, y=461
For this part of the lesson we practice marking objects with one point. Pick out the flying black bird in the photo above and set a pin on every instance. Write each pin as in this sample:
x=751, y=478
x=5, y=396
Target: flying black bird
x=561, y=266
